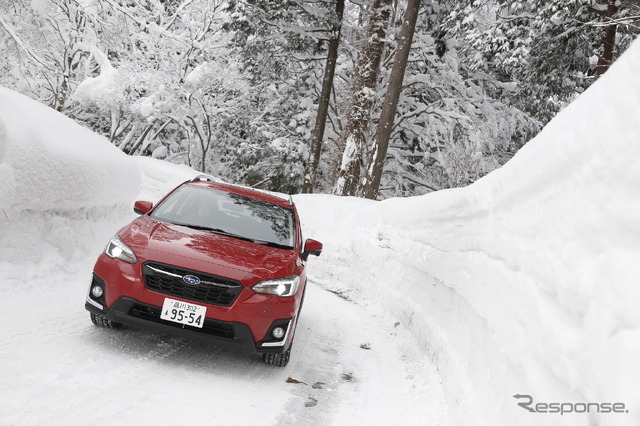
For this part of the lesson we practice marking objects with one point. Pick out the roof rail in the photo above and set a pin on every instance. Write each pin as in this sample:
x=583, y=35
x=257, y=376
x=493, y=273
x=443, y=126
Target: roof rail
x=209, y=178
x=204, y=178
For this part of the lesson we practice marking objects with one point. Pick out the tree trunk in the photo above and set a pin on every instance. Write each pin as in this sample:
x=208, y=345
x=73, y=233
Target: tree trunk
x=315, y=147
x=358, y=113
x=609, y=42
x=390, y=105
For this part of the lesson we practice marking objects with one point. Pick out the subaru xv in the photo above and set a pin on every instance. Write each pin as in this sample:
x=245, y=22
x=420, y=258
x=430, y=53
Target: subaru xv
x=210, y=261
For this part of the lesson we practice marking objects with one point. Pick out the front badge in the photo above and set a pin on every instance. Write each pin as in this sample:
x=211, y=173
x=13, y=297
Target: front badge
x=191, y=280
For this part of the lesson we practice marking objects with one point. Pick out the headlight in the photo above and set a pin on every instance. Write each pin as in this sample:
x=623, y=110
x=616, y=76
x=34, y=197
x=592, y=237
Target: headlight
x=119, y=250
x=283, y=287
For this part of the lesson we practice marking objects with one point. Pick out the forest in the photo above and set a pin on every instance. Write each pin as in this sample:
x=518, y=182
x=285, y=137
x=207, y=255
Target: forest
x=367, y=98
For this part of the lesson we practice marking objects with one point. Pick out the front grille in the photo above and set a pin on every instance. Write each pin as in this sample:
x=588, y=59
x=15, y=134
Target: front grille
x=212, y=290
x=212, y=327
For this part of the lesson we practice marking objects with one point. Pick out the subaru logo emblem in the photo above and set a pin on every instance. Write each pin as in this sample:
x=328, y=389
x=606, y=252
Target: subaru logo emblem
x=191, y=280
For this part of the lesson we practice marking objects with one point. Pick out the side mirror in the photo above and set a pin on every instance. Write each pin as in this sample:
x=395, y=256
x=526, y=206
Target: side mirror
x=312, y=247
x=142, y=207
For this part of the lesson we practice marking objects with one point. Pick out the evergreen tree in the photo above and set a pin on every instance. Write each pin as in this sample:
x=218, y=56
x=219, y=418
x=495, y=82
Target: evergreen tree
x=549, y=49
x=280, y=48
x=452, y=124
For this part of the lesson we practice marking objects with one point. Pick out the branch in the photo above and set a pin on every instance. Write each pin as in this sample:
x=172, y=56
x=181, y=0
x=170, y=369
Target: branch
x=143, y=24
x=412, y=179
x=627, y=20
x=178, y=11
x=14, y=35
x=509, y=18
x=142, y=138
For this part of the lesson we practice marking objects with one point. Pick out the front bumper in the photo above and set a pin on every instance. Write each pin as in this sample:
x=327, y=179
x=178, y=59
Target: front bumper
x=141, y=315
x=136, y=314
x=131, y=303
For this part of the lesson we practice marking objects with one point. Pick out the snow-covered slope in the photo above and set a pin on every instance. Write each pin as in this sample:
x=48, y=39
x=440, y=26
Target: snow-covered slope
x=56, y=177
x=525, y=282
x=48, y=161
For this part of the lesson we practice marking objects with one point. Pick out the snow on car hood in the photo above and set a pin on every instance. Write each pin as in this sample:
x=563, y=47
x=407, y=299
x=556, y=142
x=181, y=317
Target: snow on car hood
x=207, y=252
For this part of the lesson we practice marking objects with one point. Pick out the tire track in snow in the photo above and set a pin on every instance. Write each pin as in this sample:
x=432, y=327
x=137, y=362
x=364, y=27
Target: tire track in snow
x=353, y=365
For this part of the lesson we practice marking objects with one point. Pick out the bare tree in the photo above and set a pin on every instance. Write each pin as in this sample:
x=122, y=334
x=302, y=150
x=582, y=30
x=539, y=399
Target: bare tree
x=315, y=146
x=609, y=41
x=390, y=104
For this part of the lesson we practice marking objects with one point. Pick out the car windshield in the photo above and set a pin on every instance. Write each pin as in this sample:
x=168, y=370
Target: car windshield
x=228, y=214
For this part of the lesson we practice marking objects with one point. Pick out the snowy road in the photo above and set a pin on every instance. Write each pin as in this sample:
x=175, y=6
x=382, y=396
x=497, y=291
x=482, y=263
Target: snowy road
x=347, y=366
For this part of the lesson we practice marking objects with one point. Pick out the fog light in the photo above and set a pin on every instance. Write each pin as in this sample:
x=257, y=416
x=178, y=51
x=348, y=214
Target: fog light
x=96, y=291
x=278, y=332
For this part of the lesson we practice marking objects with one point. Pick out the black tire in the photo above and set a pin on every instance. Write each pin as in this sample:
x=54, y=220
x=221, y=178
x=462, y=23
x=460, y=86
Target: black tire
x=101, y=321
x=279, y=360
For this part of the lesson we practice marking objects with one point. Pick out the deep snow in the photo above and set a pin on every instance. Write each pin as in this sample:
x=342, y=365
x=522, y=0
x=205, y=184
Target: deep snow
x=522, y=283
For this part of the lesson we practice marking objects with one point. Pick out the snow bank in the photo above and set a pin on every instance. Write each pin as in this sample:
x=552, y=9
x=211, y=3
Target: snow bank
x=62, y=187
x=159, y=177
x=47, y=161
x=525, y=282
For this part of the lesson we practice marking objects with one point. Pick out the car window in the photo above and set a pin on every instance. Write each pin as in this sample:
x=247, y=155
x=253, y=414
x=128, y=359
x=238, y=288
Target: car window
x=225, y=212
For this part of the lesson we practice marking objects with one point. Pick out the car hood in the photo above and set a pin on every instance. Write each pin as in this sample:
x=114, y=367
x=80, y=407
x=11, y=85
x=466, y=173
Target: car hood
x=208, y=252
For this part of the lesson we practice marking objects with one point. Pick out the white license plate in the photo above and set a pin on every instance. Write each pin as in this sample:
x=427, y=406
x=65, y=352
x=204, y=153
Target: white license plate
x=183, y=312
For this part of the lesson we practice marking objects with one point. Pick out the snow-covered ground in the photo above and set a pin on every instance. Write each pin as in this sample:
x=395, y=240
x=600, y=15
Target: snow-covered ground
x=428, y=310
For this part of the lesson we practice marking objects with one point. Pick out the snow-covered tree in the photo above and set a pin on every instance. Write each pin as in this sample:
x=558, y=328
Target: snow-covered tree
x=324, y=101
x=235, y=87
x=378, y=152
x=549, y=49
x=280, y=48
x=48, y=47
x=353, y=140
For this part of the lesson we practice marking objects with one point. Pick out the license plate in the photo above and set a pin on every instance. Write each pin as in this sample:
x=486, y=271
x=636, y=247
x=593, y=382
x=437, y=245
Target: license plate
x=183, y=312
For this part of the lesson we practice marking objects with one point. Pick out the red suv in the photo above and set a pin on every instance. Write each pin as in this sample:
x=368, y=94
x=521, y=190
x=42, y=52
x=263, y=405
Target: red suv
x=210, y=261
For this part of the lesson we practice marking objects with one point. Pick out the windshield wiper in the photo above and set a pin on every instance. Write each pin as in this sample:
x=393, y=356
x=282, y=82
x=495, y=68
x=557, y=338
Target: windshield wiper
x=202, y=228
x=240, y=237
x=254, y=240
x=272, y=244
x=210, y=229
